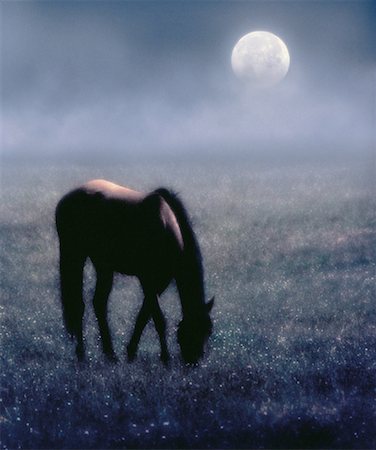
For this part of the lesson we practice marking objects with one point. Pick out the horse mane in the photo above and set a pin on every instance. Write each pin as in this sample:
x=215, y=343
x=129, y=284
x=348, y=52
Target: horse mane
x=191, y=248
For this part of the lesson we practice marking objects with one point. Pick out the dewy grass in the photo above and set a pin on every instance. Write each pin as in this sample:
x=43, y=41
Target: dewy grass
x=289, y=253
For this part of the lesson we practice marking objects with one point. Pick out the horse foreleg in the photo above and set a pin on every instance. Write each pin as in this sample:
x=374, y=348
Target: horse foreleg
x=102, y=291
x=141, y=321
x=160, y=326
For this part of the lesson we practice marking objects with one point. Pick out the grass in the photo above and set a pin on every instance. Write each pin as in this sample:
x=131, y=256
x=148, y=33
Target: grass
x=290, y=253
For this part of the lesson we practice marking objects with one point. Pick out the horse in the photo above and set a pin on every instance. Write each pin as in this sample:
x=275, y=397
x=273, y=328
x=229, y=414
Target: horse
x=149, y=236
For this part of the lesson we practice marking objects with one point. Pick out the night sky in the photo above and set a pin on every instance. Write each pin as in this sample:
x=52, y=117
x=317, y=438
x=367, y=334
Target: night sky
x=139, y=78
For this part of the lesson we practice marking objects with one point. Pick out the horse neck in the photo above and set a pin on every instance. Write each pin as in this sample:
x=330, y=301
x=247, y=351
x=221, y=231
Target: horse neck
x=190, y=285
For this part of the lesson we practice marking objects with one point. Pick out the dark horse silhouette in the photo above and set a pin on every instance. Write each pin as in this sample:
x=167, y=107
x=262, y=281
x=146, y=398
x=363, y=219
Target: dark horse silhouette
x=148, y=236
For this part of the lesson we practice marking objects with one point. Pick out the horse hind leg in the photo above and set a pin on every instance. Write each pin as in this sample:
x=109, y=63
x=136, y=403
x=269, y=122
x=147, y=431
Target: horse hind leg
x=102, y=291
x=71, y=281
x=160, y=325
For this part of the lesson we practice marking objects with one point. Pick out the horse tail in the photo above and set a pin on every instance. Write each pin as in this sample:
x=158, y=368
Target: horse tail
x=71, y=271
x=191, y=247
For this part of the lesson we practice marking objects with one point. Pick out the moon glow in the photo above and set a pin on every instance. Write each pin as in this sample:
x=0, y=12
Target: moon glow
x=260, y=58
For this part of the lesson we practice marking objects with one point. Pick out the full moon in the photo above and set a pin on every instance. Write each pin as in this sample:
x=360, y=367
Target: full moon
x=260, y=58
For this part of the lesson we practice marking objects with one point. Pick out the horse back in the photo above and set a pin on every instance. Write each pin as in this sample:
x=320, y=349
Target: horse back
x=118, y=225
x=110, y=190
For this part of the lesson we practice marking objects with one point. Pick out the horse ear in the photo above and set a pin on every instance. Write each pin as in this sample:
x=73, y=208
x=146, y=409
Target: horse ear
x=210, y=304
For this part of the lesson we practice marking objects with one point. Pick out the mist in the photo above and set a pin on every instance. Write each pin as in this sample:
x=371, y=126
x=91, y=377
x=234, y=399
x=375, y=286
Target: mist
x=85, y=79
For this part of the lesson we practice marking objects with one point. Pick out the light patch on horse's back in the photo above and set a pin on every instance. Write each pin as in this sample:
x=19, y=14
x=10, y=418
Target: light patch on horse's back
x=112, y=190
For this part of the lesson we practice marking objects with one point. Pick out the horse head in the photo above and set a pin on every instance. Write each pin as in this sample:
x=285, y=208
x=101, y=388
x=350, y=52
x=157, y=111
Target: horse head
x=193, y=332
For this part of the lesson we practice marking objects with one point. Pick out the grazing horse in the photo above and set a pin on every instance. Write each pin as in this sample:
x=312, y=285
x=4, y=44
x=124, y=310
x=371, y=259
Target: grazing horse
x=148, y=236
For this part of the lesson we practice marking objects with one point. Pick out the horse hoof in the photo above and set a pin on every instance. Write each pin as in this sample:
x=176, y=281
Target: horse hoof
x=112, y=358
x=131, y=358
x=80, y=355
x=131, y=354
x=165, y=358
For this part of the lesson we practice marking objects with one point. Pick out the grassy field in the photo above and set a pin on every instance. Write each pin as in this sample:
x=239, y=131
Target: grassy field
x=289, y=252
